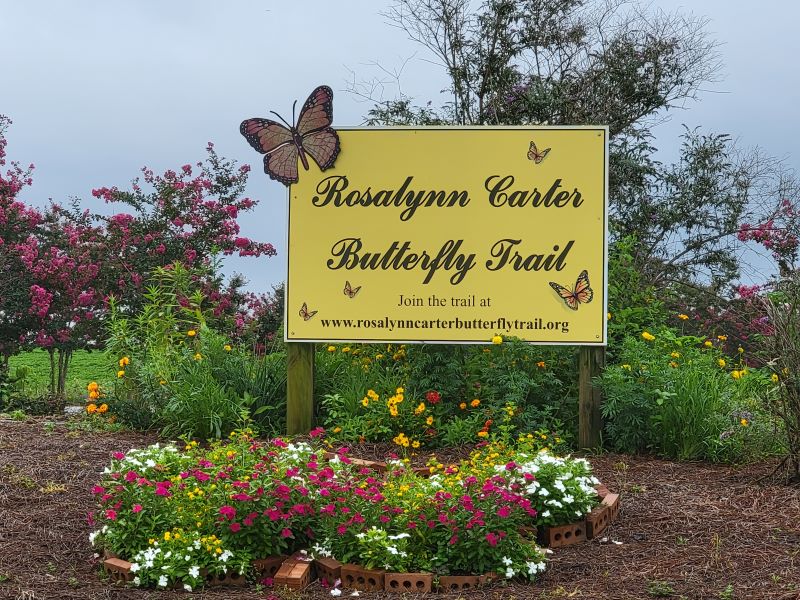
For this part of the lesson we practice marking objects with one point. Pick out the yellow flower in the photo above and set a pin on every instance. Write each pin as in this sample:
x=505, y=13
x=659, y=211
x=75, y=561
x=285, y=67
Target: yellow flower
x=124, y=361
x=198, y=356
x=774, y=378
x=120, y=374
x=191, y=333
x=94, y=395
x=462, y=406
x=163, y=382
x=722, y=338
x=673, y=364
x=429, y=420
x=337, y=430
x=227, y=348
x=167, y=536
x=744, y=422
x=102, y=408
x=708, y=343
x=683, y=317
x=420, y=409
x=626, y=367
x=331, y=348
x=675, y=355
x=648, y=336
x=721, y=362
x=497, y=339
x=378, y=356
x=740, y=350
x=736, y=374
x=91, y=408
x=346, y=349
x=93, y=387
x=482, y=433
x=365, y=402
x=608, y=316
x=415, y=444
x=399, y=391
x=372, y=394
x=541, y=364
x=475, y=403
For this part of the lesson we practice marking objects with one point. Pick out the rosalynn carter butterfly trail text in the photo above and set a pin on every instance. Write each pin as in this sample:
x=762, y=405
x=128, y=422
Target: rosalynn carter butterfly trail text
x=331, y=191
x=348, y=254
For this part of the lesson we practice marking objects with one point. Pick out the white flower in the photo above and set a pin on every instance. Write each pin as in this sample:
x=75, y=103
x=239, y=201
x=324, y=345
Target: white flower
x=136, y=581
x=187, y=587
x=92, y=536
x=336, y=592
x=507, y=561
x=162, y=581
x=559, y=485
x=509, y=573
x=392, y=549
x=569, y=499
x=544, y=492
x=546, y=514
x=194, y=572
x=134, y=567
x=187, y=558
x=355, y=593
x=150, y=462
x=361, y=535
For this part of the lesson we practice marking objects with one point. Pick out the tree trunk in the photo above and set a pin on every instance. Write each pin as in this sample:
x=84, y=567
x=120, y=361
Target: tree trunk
x=64, y=357
x=51, y=352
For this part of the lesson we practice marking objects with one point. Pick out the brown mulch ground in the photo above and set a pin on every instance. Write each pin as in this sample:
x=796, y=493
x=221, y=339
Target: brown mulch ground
x=690, y=528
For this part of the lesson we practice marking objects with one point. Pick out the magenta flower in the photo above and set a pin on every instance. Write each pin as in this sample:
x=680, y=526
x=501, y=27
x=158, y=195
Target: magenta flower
x=137, y=508
x=227, y=511
x=286, y=532
x=492, y=539
x=316, y=432
x=111, y=515
x=235, y=527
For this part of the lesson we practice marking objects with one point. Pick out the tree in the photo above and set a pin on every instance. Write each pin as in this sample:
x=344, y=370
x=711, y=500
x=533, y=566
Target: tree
x=614, y=62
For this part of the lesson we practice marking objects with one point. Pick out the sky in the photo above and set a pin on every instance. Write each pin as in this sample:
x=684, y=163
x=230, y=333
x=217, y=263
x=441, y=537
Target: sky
x=99, y=89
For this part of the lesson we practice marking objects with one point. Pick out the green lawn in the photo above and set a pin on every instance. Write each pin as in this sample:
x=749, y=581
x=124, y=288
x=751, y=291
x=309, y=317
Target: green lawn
x=84, y=367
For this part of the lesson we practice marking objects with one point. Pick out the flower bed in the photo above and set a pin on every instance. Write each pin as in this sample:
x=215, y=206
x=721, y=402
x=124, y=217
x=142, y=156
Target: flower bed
x=205, y=515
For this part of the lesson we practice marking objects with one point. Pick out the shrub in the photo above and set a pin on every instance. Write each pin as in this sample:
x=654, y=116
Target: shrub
x=679, y=396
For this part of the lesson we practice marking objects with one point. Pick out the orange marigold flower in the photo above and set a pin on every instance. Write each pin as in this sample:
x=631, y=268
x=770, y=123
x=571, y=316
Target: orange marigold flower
x=91, y=408
x=462, y=406
x=475, y=403
x=102, y=408
x=541, y=364
x=93, y=387
x=191, y=333
x=120, y=374
x=94, y=395
x=483, y=433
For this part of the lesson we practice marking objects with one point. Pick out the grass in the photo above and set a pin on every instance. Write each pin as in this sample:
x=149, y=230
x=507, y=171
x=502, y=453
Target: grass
x=84, y=367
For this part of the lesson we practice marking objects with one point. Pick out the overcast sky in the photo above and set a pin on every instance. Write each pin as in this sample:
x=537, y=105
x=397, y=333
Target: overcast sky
x=98, y=89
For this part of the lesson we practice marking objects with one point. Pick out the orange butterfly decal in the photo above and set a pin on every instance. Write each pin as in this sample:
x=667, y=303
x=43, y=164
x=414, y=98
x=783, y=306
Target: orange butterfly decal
x=305, y=313
x=312, y=134
x=350, y=291
x=535, y=155
x=582, y=294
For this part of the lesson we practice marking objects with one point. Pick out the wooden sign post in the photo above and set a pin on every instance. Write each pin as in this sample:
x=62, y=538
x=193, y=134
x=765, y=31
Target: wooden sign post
x=591, y=361
x=299, y=387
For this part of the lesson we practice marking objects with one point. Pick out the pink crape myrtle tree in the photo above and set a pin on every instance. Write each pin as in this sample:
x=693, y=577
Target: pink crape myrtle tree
x=18, y=223
x=66, y=263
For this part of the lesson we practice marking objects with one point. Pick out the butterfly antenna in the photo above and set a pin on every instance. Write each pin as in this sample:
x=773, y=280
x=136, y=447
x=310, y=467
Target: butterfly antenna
x=281, y=118
x=293, y=107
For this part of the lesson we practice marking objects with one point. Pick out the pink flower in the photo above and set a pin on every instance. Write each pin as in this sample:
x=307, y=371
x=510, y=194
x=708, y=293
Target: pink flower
x=316, y=432
x=286, y=532
x=227, y=511
x=98, y=489
x=235, y=527
x=111, y=515
x=137, y=508
x=492, y=539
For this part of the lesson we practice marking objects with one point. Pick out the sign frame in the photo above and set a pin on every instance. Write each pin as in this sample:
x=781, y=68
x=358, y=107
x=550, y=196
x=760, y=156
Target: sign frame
x=487, y=339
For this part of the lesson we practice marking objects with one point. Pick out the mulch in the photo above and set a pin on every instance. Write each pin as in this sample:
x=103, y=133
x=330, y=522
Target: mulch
x=686, y=530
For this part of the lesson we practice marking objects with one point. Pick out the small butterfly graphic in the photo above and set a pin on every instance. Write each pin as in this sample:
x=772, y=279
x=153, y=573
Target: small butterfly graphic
x=350, y=291
x=311, y=134
x=582, y=294
x=535, y=155
x=304, y=312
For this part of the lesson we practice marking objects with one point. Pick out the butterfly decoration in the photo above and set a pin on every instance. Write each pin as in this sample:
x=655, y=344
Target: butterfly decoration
x=305, y=313
x=350, y=291
x=310, y=135
x=535, y=155
x=582, y=294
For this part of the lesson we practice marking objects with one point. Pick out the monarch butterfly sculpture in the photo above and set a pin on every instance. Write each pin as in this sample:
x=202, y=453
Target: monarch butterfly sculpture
x=305, y=313
x=310, y=135
x=350, y=291
x=535, y=155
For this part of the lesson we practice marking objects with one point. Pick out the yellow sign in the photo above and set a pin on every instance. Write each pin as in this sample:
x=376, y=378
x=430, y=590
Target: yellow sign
x=452, y=235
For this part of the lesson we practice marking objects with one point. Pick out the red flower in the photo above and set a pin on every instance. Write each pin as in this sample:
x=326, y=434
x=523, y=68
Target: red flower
x=433, y=397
